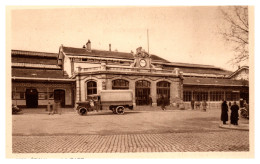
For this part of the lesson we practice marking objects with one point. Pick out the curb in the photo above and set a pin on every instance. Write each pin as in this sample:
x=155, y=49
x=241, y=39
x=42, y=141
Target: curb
x=244, y=127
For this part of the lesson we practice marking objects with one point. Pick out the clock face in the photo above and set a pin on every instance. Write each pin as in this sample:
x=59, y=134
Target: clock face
x=142, y=63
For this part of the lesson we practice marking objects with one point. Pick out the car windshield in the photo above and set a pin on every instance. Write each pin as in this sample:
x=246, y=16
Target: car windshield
x=94, y=97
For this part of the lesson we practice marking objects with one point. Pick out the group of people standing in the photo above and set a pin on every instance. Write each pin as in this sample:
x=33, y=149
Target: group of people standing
x=234, y=112
x=196, y=105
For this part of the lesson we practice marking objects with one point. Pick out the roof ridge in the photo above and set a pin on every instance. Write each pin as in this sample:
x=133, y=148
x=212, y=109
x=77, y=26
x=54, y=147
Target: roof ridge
x=99, y=50
x=13, y=50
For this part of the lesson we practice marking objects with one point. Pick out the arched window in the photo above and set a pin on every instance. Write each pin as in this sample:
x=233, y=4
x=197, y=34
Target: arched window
x=163, y=89
x=120, y=84
x=91, y=87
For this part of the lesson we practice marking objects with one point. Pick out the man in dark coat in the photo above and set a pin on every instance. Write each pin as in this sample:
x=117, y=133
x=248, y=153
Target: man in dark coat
x=224, y=112
x=234, y=113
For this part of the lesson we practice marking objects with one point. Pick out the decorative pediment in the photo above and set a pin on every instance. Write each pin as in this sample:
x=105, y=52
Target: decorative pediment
x=141, y=53
x=142, y=59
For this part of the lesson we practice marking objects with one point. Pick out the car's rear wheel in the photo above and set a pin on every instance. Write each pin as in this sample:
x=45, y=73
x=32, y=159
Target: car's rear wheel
x=82, y=111
x=120, y=110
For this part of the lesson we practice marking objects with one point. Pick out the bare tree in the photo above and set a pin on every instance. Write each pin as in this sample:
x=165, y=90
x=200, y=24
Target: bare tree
x=236, y=31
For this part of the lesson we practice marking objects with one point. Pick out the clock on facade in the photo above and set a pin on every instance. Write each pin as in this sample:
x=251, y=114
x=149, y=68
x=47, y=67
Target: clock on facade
x=142, y=63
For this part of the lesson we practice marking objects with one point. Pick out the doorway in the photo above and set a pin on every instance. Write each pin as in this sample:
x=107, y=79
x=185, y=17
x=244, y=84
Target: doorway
x=142, y=92
x=59, y=96
x=31, y=96
x=163, y=89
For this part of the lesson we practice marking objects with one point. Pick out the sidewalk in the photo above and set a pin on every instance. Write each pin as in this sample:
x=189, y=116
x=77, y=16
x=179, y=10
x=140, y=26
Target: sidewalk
x=241, y=126
x=43, y=110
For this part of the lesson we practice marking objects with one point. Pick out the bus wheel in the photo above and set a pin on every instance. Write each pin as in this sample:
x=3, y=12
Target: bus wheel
x=120, y=110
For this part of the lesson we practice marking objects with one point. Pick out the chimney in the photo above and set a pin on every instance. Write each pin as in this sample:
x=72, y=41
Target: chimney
x=88, y=45
x=109, y=47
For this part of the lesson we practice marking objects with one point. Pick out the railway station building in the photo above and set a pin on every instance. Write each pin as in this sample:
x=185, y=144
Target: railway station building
x=74, y=73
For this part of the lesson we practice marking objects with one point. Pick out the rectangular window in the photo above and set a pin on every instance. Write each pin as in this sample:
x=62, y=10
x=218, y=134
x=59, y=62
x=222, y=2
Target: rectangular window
x=42, y=96
x=200, y=95
x=186, y=95
x=228, y=96
x=216, y=95
x=18, y=95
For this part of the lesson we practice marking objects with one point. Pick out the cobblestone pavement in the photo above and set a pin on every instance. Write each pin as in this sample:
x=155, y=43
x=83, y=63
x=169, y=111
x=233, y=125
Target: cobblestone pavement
x=144, y=131
x=169, y=142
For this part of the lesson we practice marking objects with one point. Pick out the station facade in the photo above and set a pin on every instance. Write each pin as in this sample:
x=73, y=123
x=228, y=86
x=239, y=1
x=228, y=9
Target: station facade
x=74, y=73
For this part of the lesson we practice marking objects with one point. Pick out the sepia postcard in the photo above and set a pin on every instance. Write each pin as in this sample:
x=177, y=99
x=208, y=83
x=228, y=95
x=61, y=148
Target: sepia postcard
x=130, y=82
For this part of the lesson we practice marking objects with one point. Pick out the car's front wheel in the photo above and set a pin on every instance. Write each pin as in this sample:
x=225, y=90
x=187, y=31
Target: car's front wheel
x=82, y=111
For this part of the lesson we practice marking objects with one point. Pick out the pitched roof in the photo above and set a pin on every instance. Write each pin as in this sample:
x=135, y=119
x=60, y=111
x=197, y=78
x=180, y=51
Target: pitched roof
x=213, y=81
x=197, y=68
x=38, y=73
x=191, y=65
x=205, y=71
x=106, y=54
x=33, y=53
x=96, y=53
x=32, y=65
x=33, y=57
x=238, y=70
x=156, y=58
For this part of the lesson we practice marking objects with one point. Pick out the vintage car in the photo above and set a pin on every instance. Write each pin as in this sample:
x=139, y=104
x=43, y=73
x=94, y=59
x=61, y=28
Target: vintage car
x=115, y=100
x=91, y=104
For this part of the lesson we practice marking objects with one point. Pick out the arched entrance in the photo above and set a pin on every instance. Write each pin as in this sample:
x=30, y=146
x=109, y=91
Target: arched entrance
x=31, y=98
x=163, y=89
x=59, y=96
x=142, y=92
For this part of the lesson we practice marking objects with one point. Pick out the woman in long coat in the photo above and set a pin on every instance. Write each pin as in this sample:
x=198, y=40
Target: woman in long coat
x=234, y=114
x=224, y=112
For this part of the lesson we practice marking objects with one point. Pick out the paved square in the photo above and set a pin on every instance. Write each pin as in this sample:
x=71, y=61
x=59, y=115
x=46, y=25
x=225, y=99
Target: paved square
x=135, y=131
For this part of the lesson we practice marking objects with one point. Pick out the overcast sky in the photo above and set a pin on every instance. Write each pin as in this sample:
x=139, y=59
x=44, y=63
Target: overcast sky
x=178, y=34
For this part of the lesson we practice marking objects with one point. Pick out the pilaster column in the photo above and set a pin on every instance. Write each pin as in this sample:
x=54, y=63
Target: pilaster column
x=153, y=93
x=132, y=87
x=78, y=90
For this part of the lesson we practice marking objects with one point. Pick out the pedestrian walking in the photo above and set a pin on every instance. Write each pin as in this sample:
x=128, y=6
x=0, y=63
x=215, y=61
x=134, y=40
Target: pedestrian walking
x=224, y=112
x=163, y=102
x=198, y=105
x=192, y=104
x=234, y=114
x=150, y=100
x=54, y=107
x=204, y=105
x=98, y=104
